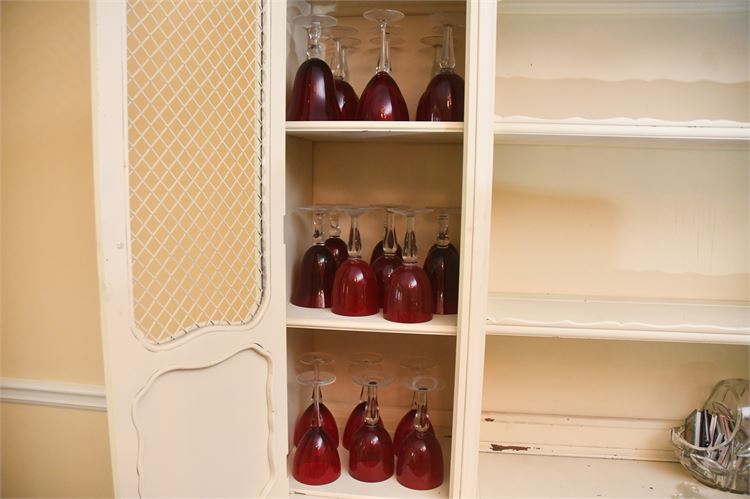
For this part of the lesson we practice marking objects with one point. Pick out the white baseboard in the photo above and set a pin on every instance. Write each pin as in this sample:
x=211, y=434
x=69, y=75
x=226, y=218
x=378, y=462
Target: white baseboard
x=53, y=393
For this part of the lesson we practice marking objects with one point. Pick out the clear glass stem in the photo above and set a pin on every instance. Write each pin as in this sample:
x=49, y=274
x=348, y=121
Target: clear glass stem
x=421, y=423
x=372, y=415
x=437, y=57
x=362, y=394
x=317, y=420
x=318, y=235
x=313, y=41
x=443, y=239
x=337, y=64
x=344, y=65
x=448, y=59
x=390, y=246
x=355, y=240
x=334, y=229
x=384, y=61
x=414, y=400
x=410, y=242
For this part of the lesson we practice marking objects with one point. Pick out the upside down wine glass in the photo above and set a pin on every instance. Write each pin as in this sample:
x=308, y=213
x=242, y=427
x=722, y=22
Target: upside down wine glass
x=444, y=96
x=408, y=295
x=381, y=100
x=419, y=461
x=442, y=265
x=355, y=286
x=411, y=367
x=436, y=42
x=346, y=97
x=389, y=261
x=371, y=451
x=313, y=95
x=316, y=460
x=314, y=361
x=318, y=269
x=362, y=361
x=334, y=242
x=377, y=250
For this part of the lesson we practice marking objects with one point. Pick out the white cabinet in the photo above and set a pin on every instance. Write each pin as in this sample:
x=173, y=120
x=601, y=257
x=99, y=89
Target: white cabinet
x=602, y=171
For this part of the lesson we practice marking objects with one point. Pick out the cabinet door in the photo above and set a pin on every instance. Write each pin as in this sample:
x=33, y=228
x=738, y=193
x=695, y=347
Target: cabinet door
x=190, y=217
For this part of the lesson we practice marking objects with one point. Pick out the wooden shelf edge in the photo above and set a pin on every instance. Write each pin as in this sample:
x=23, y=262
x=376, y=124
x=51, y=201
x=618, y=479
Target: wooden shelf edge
x=618, y=319
x=703, y=130
x=302, y=318
x=358, y=131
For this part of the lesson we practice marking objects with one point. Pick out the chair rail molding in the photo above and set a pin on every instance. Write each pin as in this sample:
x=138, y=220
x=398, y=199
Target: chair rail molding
x=53, y=393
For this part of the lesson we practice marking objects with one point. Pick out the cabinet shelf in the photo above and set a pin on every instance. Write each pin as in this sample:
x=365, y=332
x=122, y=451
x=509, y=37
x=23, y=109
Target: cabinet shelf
x=347, y=487
x=514, y=129
x=618, y=319
x=507, y=475
x=315, y=318
x=383, y=131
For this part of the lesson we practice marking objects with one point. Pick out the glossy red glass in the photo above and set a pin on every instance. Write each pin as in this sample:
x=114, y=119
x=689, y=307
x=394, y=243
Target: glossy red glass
x=420, y=107
x=381, y=100
x=355, y=422
x=441, y=267
x=419, y=463
x=405, y=427
x=347, y=100
x=338, y=248
x=313, y=95
x=371, y=457
x=305, y=421
x=316, y=277
x=384, y=268
x=355, y=289
x=444, y=98
x=377, y=252
x=316, y=460
x=408, y=296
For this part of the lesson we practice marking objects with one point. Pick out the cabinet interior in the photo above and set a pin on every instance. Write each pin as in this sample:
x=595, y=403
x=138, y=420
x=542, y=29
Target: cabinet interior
x=601, y=60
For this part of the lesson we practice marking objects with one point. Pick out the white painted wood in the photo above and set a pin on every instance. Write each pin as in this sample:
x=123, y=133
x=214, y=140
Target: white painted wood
x=503, y=475
x=643, y=7
x=476, y=209
x=577, y=436
x=53, y=393
x=357, y=131
x=618, y=319
x=516, y=127
x=313, y=318
x=347, y=487
x=232, y=432
x=129, y=362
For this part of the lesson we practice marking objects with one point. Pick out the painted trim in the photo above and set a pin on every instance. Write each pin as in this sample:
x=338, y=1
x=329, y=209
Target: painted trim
x=53, y=394
x=615, y=7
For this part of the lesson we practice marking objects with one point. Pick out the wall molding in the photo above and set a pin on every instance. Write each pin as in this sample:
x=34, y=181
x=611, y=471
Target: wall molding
x=53, y=394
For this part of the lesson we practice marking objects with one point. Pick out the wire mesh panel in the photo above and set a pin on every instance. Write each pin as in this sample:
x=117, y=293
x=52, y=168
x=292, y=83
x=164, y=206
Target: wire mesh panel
x=195, y=153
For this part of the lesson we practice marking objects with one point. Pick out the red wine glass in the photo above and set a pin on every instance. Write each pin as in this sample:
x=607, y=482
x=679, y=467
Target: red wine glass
x=314, y=283
x=371, y=451
x=355, y=286
x=315, y=361
x=444, y=96
x=377, y=250
x=346, y=97
x=419, y=461
x=442, y=267
x=316, y=459
x=367, y=361
x=334, y=242
x=381, y=100
x=389, y=261
x=436, y=42
x=411, y=367
x=313, y=95
x=408, y=296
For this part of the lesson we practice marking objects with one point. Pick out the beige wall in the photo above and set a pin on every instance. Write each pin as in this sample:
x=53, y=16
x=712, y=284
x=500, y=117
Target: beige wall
x=50, y=321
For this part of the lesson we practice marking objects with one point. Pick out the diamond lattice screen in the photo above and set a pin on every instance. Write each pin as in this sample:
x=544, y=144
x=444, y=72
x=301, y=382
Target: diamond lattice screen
x=195, y=149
